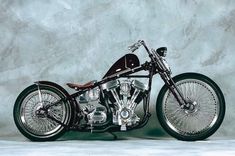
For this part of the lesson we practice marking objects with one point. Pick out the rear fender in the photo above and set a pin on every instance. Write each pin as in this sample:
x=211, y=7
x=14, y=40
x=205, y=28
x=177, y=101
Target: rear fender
x=54, y=85
x=74, y=106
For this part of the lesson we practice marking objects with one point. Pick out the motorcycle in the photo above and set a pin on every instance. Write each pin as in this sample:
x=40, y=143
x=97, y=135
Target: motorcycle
x=189, y=107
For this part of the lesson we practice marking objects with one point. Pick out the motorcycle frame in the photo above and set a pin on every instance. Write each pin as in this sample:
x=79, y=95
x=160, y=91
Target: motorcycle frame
x=124, y=74
x=155, y=66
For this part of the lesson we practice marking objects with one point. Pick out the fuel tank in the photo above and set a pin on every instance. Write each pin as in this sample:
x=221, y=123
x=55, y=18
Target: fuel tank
x=128, y=61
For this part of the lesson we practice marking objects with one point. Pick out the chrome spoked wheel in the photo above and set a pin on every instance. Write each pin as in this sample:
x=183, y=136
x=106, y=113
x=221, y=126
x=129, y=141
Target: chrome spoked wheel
x=31, y=117
x=39, y=124
x=204, y=114
x=201, y=115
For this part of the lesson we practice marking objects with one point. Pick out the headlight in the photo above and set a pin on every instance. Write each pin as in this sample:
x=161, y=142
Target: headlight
x=162, y=51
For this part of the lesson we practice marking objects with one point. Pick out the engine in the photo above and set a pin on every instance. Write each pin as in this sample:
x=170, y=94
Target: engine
x=95, y=114
x=122, y=96
x=125, y=95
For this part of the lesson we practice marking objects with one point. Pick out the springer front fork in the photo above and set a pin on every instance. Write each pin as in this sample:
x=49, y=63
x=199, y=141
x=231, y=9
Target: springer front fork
x=175, y=90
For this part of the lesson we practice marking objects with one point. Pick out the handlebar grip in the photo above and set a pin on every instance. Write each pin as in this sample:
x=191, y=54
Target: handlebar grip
x=135, y=46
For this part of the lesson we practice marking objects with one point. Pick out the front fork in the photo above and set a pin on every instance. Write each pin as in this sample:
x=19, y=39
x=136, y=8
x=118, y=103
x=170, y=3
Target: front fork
x=174, y=90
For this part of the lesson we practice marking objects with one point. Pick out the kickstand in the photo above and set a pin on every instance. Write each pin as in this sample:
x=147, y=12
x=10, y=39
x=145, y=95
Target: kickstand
x=114, y=135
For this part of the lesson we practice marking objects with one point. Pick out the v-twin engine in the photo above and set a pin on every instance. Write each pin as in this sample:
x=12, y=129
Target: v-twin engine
x=124, y=96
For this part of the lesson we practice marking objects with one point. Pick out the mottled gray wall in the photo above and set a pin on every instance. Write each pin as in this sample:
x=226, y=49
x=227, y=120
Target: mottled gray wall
x=64, y=40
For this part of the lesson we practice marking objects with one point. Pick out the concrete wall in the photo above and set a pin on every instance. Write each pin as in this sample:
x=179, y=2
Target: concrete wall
x=63, y=41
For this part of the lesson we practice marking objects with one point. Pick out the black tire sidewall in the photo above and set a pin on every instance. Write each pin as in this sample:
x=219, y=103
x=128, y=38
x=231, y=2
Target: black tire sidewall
x=18, y=122
x=204, y=135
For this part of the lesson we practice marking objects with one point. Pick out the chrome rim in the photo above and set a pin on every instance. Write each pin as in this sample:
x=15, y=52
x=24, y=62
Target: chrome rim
x=41, y=125
x=200, y=117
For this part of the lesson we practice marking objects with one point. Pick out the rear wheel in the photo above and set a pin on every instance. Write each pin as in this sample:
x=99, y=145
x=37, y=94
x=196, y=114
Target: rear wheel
x=202, y=118
x=37, y=126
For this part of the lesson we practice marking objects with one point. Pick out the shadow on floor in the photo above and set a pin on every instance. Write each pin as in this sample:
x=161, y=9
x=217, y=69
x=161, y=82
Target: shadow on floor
x=155, y=134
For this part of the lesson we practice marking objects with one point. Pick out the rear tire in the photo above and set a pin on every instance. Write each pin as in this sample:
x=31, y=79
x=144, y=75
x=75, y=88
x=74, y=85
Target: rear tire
x=205, y=117
x=40, y=128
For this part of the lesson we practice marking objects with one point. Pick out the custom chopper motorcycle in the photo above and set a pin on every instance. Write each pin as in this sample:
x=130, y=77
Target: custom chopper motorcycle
x=190, y=106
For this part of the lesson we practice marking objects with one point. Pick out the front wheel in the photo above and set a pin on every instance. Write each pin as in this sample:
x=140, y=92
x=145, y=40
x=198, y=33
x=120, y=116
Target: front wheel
x=202, y=119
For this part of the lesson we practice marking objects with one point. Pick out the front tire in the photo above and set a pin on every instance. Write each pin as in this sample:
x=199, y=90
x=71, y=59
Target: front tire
x=41, y=128
x=203, y=119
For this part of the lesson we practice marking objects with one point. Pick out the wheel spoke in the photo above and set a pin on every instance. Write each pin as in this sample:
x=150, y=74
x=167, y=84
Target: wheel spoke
x=200, y=118
x=41, y=125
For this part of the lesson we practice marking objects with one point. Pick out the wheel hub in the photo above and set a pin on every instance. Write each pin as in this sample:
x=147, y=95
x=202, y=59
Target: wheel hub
x=40, y=110
x=191, y=107
x=41, y=113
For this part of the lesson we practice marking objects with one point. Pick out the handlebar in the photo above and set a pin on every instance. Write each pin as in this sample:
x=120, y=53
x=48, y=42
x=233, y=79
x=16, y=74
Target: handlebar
x=155, y=57
x=135, y=46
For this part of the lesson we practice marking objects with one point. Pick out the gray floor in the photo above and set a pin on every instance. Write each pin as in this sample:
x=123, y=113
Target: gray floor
x=130, y=147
